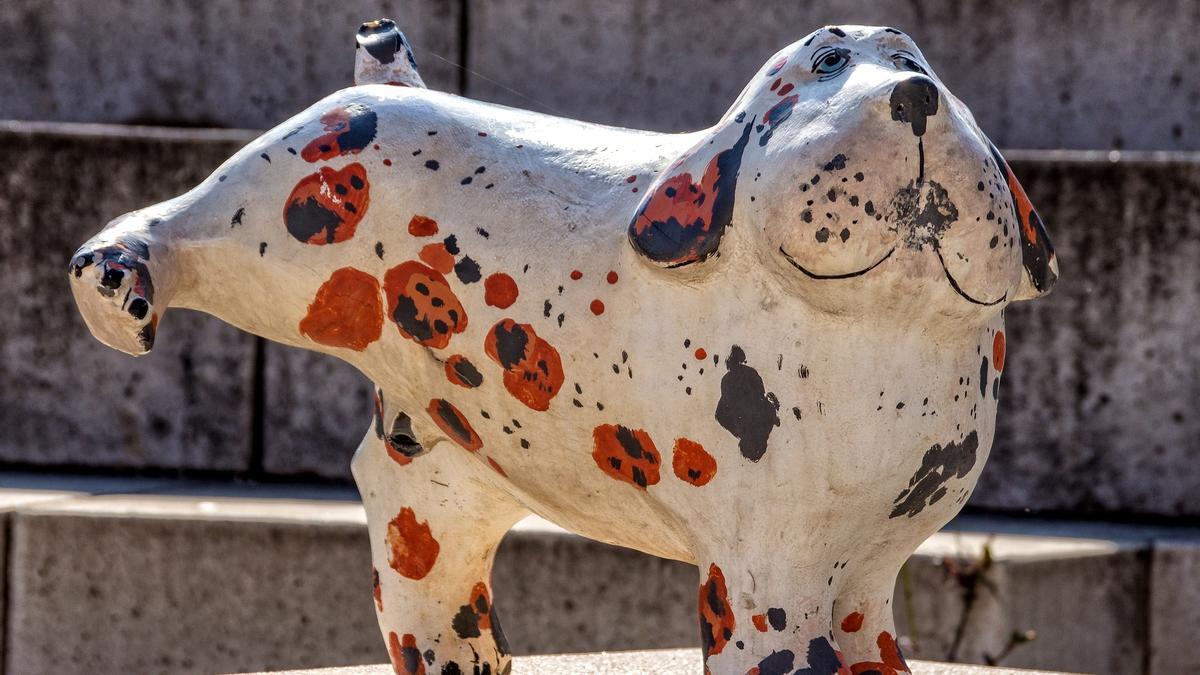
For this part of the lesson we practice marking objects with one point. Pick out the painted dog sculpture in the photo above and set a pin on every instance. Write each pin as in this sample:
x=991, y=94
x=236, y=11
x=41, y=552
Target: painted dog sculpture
x=771, y=348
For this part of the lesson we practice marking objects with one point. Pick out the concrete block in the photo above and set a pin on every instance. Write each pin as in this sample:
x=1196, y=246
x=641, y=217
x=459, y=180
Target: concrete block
x=1175, y=607
x=557, y=592
x=207, y=577
x=1084, y=599
x=172, y=584
x=1097, y=402
x=219, y=63
x=317, y=410
x=68, y=399
x=1037, y=74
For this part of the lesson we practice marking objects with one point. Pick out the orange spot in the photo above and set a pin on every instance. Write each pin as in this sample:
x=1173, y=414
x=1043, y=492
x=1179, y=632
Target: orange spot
x=576, y=275
x=760, y=622
x=533, y=371
x=496, y=467
x=346, y=311
x=420, y=226
x=612, y=277
x=412, y=550
x=597, y=307
x=626, y=454
x=891, y=662
x=453, y=423
x=481, y=603
x=998, y=349
x=692, y=463
x=852, y=623
x=387, y=162
x=716, y=615
x=499, y=290
x=437, y=257
x=421, y=303
x=405, y=656
x=701, y=354
x=326, y=207
x=460, y=371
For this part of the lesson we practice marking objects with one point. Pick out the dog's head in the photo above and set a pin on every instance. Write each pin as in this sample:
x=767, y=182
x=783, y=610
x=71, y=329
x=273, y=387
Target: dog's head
x=848, y=168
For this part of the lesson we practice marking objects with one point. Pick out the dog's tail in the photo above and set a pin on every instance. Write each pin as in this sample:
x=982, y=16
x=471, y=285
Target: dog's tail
x=382, y=55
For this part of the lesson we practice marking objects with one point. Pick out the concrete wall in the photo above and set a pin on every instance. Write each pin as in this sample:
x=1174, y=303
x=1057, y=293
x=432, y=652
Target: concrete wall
x=1037, y=73
x=1097, y=413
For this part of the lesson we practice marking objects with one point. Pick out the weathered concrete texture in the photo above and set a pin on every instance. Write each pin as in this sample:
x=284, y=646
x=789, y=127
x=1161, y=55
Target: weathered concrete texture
x=1036, y=73
x=1097, y=408
x=561, y=593
x=213, y=577
x=1175, y=607
x=317, y=409
x=67, y=399
x=1085, y=600
x=223, y=63
x=119, y=585
x=649, y=662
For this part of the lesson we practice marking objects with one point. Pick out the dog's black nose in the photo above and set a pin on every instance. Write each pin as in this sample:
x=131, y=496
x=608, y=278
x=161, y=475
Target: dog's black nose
x=914, y=100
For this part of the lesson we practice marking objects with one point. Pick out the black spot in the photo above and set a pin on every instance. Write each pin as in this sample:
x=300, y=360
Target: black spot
x=451, y=243
x=923, y=213
x=983, y=375
x=262, y=248
x=467, y=373
x=778, y=663
x=777, y=617
x=465, y=181
x=837, y=31
x=837, y=163
x=405, y=316
x=305, y=219
x=823, y=659
x=432, y=164
x=266, y=157
x=510, y=345
x=379, y=249
x=446, y=412
x=939, y=465
x=138, y=308
x=746, y=410
x=482, y=232
x=467, y=270
x=236, y=220
x=466, y=622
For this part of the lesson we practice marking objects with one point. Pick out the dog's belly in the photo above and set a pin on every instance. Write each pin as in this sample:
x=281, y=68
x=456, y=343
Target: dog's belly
x=678, y=416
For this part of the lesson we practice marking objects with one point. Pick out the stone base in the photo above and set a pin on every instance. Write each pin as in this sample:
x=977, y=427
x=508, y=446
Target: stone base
x=658, y=662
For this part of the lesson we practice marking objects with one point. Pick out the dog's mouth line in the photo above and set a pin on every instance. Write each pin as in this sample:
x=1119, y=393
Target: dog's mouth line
x=847, y=275
x=958, y=289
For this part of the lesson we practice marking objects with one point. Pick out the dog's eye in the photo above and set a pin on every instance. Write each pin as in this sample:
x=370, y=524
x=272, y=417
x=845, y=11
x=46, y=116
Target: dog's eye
x=908, y=63
x=831, y=62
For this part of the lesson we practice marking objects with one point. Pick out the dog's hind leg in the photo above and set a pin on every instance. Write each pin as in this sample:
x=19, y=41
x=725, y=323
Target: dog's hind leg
x=435, y=522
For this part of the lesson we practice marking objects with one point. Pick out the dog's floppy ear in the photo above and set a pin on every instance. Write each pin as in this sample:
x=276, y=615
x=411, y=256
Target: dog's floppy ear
x=685, y=212
x=1037, y=255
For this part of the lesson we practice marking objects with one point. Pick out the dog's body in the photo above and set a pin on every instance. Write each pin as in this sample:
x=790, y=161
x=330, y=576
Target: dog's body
x=789, y=378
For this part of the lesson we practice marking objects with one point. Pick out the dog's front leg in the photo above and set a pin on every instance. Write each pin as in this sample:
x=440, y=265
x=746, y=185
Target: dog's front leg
x=764, y=614
x=435, y=522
